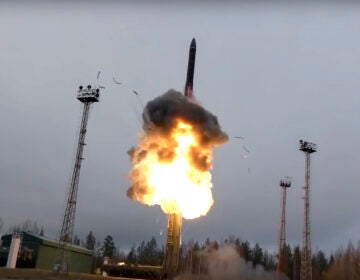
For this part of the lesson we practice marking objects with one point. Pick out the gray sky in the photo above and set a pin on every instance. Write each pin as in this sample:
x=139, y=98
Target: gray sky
x=273, y=74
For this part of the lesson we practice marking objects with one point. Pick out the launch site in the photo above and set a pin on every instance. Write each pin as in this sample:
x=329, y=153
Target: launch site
x=181, y=140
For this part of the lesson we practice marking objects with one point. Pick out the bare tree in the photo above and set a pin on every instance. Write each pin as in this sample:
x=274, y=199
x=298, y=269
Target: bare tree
x=26, y=226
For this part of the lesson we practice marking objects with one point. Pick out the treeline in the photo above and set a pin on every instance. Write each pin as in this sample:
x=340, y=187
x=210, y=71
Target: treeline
x=193, y=254
x=146, y=253
x=342, y=264
x=27, y=226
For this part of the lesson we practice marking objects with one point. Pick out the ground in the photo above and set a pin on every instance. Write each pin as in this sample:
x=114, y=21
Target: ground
x=36, y=274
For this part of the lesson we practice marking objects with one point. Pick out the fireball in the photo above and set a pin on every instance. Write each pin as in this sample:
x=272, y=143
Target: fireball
x=173, y=160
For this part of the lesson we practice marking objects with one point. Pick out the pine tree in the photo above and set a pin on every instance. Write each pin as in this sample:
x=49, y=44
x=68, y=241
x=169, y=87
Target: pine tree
x=245, y=251
x=108, y=249
x=131, y=256
x=320, y=265
x=90, y=241
x=257, y=255
x=149, y=253
x=296, y=263
x=76, y=240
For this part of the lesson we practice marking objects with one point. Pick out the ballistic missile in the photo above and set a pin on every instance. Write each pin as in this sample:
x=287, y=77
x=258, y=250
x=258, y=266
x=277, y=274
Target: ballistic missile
x=190, y=70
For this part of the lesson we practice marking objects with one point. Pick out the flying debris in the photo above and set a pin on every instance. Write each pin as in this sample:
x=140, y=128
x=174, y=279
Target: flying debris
x=245, y=149
x=98, y=75
x=244, y=156
x=116, y=82
x=139, y=98
x=102, y=87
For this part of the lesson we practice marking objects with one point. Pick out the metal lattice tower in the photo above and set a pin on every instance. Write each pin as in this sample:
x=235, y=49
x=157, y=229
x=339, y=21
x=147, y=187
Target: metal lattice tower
x=284, y=184
x=306, y=267
x=87, y=96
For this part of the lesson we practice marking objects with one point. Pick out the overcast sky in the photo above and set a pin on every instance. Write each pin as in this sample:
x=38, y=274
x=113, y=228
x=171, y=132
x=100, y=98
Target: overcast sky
x=272, y=73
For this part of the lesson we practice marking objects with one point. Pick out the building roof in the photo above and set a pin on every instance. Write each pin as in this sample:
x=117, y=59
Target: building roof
x=27, y=236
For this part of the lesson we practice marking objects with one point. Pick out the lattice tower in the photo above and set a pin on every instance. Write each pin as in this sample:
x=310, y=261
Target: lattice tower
x=306, y=267
x=284, y=184
x=87, y=96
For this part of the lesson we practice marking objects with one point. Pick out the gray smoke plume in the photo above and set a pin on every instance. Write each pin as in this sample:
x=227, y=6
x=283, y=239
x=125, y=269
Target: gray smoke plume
x=164, y=110
x=226, y=264
x=160, y=117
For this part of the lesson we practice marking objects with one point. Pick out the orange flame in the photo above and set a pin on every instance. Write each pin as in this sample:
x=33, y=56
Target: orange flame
x=167, y=175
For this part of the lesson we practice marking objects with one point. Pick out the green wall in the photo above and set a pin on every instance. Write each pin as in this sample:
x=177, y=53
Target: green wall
x=44, y=253
x=79, y=262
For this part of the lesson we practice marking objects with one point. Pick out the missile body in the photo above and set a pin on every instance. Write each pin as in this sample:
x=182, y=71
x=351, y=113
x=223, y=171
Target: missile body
x=190, y=70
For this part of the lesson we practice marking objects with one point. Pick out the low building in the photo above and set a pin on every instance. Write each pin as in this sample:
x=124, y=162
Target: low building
x=40, y=252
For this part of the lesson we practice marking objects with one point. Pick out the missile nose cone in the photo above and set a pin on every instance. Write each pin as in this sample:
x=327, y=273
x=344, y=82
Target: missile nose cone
x=193, y=43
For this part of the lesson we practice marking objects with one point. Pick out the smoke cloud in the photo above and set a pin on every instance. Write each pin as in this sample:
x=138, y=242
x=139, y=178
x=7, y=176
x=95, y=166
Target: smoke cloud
x=163, y=111
x=225, y=263
x=160, y=116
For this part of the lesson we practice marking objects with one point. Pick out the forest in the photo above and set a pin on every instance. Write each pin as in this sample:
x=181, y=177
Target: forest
x=195, y=256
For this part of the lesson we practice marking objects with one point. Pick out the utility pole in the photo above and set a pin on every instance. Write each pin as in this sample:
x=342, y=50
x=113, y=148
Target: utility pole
x=284, y=184
x=87, y=96
x=306, y=268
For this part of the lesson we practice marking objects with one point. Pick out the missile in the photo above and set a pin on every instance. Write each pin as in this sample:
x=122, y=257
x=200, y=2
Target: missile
x=190, y=70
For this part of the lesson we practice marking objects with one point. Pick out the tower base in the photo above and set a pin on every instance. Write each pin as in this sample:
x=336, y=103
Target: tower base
x=172, y=250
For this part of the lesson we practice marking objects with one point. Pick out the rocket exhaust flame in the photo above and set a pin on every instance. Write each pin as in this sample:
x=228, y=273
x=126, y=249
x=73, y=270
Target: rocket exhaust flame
x=174, y=156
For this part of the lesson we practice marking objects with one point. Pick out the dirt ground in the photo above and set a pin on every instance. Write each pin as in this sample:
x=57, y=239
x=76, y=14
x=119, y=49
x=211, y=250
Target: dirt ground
x=37, y=274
